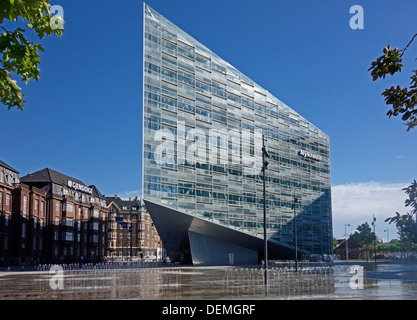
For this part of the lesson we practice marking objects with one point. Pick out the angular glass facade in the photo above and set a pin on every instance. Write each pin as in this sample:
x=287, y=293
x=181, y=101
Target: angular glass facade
x=203, y=122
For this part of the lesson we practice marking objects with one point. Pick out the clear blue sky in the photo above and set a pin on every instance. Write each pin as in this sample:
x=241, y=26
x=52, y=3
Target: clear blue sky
x=83, y=117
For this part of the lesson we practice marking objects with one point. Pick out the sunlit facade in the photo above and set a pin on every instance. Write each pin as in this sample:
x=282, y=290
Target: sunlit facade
x=203, y=122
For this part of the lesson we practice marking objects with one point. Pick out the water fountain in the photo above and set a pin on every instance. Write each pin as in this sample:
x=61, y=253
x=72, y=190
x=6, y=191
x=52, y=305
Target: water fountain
x=133, y=280
x=283, y=281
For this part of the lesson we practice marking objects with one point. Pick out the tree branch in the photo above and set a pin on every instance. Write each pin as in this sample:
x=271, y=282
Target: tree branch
x=6, y=30
x=403, y=50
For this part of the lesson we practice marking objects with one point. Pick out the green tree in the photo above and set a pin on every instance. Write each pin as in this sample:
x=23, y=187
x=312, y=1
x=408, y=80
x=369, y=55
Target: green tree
x=335, y=243
x=20, y=58
x=402, y=100
x=406, y=224
x=365, y=237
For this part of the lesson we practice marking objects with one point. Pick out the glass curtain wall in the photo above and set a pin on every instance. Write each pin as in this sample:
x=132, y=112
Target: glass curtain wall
x=203, y=123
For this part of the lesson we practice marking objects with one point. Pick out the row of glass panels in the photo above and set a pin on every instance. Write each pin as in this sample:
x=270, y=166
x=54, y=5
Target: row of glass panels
x=187, y=89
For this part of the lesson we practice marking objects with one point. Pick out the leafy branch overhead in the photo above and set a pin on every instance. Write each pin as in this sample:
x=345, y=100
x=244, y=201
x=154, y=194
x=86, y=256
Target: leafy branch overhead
x=402, y=100
x=20, y=58
x=406, y=225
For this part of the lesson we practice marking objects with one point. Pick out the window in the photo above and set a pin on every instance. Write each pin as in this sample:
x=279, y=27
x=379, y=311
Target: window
x=94, y=238
x=23, y=230
x=36, y=204
x=57, y=206
x=70, y=207
x=42, y=206
x=1, y=199
x=68, y=236
x=68, y=222
x=56, y=220
x=96, y=213
x=25, y=206
x=7, y=199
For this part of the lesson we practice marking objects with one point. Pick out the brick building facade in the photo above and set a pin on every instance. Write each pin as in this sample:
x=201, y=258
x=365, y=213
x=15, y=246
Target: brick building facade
x=135, y=234
x=9, y=177
x=50, y=217
x=69, y=224
x=28, y=224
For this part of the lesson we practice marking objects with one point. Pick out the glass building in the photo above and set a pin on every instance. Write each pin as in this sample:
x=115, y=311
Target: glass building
x=203, y=124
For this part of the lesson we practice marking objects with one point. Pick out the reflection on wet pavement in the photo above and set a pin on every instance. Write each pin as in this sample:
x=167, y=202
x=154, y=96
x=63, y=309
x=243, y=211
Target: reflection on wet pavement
x=386, y=281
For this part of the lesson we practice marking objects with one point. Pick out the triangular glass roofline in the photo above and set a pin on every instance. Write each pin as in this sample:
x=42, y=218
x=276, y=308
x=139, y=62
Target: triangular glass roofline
x=231, y=71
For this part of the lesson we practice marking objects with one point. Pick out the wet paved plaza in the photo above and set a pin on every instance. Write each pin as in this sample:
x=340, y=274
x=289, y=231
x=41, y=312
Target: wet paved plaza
x=338, y=282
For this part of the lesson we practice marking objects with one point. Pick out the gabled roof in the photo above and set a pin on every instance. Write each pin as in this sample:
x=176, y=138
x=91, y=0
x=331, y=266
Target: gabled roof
x=352, y=243
x=3, y=164
x=49, y=175
x=120, y=203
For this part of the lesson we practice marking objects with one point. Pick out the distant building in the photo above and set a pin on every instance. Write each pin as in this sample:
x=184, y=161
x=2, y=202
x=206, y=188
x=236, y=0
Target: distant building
x=351, y=246
x=69, y=224
x=131, y=232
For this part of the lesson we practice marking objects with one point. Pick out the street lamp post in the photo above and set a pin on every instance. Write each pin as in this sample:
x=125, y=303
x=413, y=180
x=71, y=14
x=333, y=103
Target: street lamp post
x=264, y=166
x=346, y=243
x=131, y=234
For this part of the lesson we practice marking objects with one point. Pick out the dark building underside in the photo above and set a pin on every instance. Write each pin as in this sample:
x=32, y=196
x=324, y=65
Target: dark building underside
x=192, y=240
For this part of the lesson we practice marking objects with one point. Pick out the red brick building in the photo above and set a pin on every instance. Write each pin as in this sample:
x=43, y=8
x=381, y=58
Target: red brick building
x=28, y=224
x=352, y=247
x=74, y=219
x=9, y=177
x=139, y=238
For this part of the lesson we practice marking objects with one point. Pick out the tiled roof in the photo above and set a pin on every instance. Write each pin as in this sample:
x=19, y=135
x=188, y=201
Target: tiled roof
x=49, y=175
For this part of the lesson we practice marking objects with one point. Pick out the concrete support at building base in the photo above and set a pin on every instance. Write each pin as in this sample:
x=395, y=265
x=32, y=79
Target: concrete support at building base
x=210, y=251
